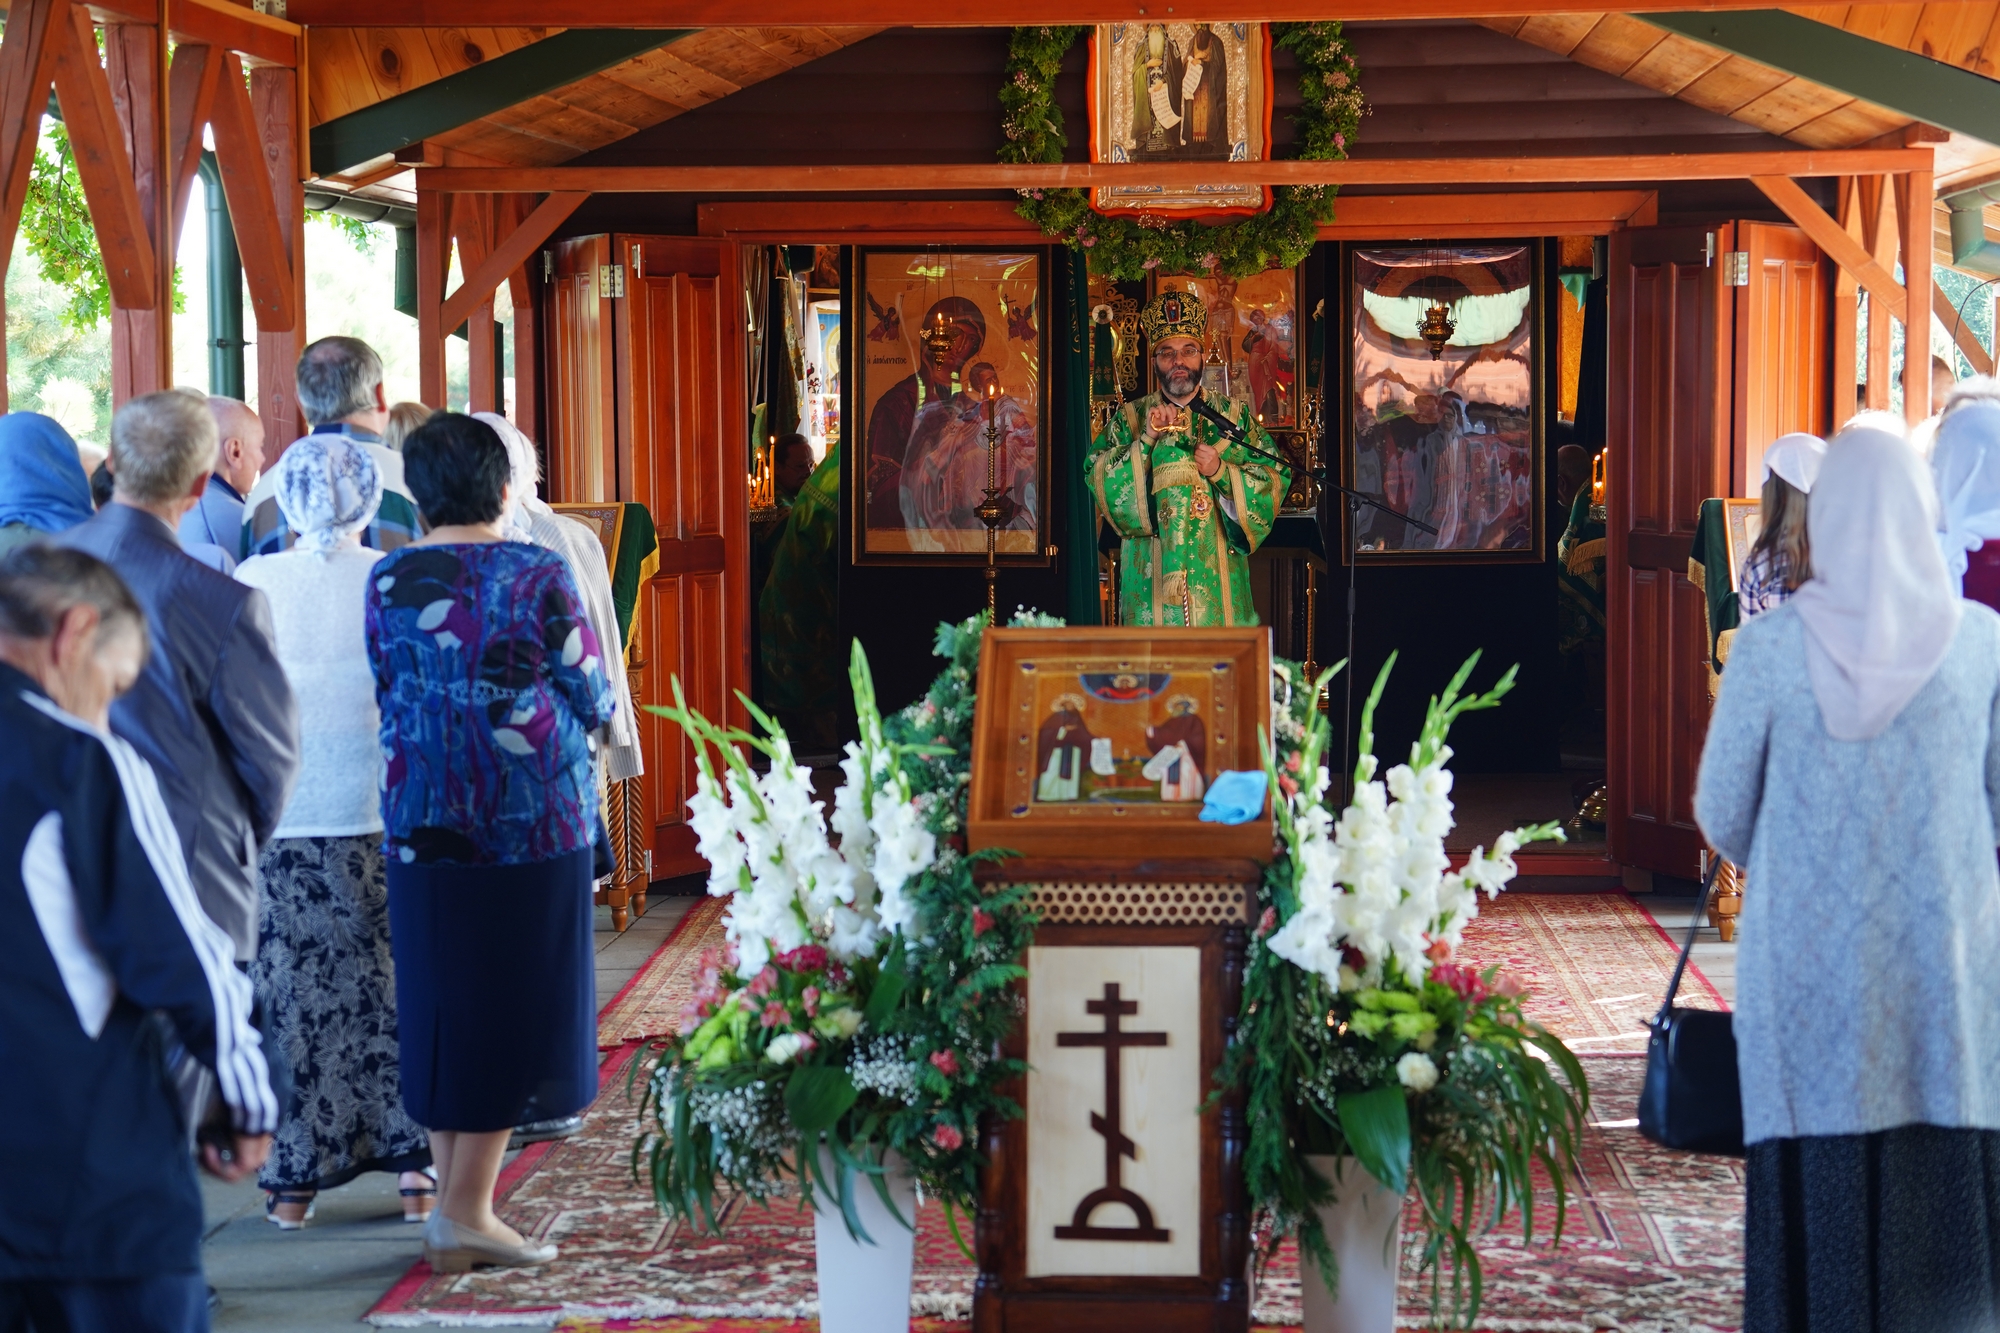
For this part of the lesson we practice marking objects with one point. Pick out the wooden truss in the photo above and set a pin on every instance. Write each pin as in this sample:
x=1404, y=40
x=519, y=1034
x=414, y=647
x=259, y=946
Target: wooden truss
x=135, y=122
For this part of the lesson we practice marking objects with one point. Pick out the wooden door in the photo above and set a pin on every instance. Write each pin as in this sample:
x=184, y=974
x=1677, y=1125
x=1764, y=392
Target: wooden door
x=581, y=385
x=682, y=451
x=1783, y=364
x=1668, y=449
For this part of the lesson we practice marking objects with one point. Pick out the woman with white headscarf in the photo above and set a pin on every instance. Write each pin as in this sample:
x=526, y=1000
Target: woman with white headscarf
x=1966, y=462
x=1853, y=767
x=1781, y=557
x=532, y=521
x=323, y=963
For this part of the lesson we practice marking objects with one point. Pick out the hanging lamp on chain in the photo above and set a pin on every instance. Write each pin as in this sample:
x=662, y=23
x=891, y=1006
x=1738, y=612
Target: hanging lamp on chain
x=1438, y=325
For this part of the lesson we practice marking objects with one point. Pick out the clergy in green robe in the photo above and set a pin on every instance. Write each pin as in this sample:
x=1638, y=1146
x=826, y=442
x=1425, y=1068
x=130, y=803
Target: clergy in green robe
x=1190, y=503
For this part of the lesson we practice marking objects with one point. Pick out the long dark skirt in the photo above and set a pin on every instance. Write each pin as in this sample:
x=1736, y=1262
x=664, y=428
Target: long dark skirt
x=1896, y=1232
x=327, y=985
x=495, y=990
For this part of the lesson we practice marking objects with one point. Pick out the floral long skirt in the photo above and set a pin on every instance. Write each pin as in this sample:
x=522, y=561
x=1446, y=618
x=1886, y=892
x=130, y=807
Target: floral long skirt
x=328, y=986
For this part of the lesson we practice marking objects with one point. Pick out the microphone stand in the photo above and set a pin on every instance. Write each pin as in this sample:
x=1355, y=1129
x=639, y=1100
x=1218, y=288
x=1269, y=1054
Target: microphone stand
x=1355, y=501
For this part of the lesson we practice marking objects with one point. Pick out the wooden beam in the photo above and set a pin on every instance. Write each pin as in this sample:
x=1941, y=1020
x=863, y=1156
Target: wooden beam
x=883, y=13
x=190, y=96
x=1874, y=196
x=27, y=66
x=275, y=108
x=1846, y=312
x=260, y=232
x=142, y=337
x=1829, y=236
x=1007, y=176
x=1913, y=213
x=103, y=165
x=433, y=236
x=1522, y=213
x=1978, y=357
x=506, y=257
x=226, y=24
x=834, y=221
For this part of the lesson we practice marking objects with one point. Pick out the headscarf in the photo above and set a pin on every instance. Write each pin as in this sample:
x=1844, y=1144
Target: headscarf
x=1879, y=611
x=1796, y=457
x=524, y=474
x=42, y=481
x=328, y=489
x=1966, y=464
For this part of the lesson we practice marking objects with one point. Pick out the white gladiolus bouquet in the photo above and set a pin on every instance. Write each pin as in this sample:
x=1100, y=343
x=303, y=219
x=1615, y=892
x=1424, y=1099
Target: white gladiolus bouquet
x=1376, y=894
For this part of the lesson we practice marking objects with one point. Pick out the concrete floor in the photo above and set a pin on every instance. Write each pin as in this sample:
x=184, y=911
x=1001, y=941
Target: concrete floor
x=324, y=1278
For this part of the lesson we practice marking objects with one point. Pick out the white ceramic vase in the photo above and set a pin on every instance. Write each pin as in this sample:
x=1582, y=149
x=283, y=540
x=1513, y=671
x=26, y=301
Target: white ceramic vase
x=865, y=1288
x=1364, y=1227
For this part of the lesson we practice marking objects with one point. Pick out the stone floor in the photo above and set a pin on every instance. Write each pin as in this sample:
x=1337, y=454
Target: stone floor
x=324, y=1278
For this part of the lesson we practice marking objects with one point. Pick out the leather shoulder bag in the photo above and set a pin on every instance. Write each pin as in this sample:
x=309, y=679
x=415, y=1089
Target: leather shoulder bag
x=1692, y=1099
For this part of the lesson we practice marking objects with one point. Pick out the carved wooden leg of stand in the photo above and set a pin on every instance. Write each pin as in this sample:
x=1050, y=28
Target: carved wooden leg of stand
x=1728, y=903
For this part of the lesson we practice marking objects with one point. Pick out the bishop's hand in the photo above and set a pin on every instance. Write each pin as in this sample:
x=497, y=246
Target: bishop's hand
x=1207, y=460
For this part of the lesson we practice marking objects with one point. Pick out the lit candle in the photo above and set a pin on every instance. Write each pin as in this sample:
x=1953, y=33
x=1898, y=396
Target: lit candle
x=992, y=401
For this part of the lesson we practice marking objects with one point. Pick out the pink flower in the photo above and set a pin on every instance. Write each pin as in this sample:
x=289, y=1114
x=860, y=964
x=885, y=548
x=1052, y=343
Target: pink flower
x=805, y=958
x=948, y=1138
x=1439, y=952
x=981, y=922
x=1289, y=783
x=1150, y=263
x=1267, y=922
x=1340, y=141
x=775, y=1014
x=1089, y=241
x=945, y=1063
x=1208, y=261
x=761, y=984
x=1292, y=761
x=810, y=999
x=1508, y=986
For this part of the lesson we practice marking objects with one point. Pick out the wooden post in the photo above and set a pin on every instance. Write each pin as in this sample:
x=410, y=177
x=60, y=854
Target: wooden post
x=433, y=238
x=474, y=227
x=1846, y=314
x=1876, y=234
x=274, y=98
x=1913, y=211
x=142, y=338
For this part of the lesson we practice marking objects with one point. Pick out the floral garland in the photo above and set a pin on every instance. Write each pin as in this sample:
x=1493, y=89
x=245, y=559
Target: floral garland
x=1125, y=247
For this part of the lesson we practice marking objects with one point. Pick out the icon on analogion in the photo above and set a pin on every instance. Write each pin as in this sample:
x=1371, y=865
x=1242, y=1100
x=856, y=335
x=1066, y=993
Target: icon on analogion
x=1122, y=735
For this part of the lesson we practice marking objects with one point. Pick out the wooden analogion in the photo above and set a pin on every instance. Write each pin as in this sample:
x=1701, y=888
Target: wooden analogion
x=1118, y=1200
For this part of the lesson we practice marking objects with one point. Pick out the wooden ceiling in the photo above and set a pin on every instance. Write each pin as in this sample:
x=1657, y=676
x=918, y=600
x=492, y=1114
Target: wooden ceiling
x=350, y=68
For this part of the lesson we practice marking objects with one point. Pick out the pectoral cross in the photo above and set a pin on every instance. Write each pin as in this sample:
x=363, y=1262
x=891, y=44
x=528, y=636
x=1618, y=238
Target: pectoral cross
x=1117, y=1146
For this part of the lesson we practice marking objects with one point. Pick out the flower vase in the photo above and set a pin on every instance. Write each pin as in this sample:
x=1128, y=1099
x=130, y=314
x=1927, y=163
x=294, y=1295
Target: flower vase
x=1364, y=1228
x=863, y=1287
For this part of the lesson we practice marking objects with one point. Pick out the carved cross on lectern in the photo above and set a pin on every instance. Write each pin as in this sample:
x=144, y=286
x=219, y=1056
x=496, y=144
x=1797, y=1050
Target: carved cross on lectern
x=1116, y=1146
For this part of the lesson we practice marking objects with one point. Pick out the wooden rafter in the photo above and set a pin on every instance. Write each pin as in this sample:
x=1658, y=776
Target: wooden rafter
x=507, y=257
x=260, y=235
x=27, y=67
x=190, y=97
x=102, y=164
x=1003, y=176
x=260, y=38
x=808, y=13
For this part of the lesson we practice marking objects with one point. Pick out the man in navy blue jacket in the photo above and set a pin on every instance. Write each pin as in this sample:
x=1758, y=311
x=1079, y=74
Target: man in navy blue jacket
x=106, y=957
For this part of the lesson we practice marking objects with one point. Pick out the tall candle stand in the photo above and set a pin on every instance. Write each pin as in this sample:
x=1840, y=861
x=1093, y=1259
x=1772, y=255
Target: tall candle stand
x=998, y=507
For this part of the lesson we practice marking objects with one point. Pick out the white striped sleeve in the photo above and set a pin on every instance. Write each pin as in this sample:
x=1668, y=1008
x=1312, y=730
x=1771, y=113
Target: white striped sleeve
x=241, y=1073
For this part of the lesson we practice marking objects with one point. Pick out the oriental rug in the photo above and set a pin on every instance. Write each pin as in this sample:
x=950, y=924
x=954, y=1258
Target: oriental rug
x=651, y=1002
x=1652, y=1243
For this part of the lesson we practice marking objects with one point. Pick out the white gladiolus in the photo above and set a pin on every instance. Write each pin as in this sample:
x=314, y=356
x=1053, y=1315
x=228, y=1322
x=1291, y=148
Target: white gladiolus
x=1418, y=1072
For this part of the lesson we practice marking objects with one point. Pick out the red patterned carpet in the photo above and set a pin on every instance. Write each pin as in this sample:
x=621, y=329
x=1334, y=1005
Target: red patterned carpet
x=651, y=1003
x=1653, y=1243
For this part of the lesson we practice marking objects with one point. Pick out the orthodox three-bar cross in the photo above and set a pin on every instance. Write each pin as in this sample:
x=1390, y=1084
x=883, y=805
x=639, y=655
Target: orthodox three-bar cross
x=1116, y=1145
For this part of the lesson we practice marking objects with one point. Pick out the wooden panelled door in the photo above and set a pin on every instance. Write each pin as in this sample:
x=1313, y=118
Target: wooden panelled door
x=1704, y=374
x=676, y=442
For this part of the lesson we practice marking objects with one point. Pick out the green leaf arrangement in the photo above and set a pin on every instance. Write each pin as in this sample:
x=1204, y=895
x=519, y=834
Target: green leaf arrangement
x=1126, y=247
x=1319, y=1061
x=920, y=1072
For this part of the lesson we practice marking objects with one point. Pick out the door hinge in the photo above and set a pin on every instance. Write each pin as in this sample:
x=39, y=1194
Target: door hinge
x=1736, y=268
x=548, y=265
x=275, y=8
x=649, y=865
x=1708, y=260
x=611, y=280
x=638, y=263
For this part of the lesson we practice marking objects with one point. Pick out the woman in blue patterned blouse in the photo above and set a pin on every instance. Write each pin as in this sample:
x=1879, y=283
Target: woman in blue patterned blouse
x=490, y=683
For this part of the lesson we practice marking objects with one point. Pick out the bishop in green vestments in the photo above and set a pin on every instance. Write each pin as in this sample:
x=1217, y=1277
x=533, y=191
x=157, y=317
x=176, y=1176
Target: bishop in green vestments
x=1190, y=503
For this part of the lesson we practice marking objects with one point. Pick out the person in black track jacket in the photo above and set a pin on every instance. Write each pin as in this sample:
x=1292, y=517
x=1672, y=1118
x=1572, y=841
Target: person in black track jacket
x=106, y=960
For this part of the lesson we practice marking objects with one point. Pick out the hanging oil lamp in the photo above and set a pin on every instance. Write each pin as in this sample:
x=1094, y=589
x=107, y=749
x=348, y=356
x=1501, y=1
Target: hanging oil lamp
x=1437, y=328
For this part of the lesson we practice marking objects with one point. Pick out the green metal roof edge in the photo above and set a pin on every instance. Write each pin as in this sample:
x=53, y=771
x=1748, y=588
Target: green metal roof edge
x=1903, y=81
x=492, y=85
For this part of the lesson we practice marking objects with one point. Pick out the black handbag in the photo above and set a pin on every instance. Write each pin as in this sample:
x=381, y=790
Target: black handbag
x=1691, y=1099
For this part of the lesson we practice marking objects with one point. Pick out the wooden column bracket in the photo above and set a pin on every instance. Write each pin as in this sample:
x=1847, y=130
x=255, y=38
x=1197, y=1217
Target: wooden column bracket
x=35, y=31
x=260, y=233
x=1846, y=311
x=1831, y=237
x=110, y=186
x=509, y=255
x=1961, y=333
x=190, y=97
x=433, y=240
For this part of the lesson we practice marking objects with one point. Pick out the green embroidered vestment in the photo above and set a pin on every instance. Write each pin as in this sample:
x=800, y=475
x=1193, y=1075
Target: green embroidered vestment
x=1187, y=538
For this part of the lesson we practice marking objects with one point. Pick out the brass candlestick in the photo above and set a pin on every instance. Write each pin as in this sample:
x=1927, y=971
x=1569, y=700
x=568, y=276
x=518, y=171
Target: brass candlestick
x=998, y=507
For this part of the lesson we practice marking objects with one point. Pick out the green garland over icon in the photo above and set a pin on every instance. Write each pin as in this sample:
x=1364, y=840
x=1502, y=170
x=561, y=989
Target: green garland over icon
x=1125, y=247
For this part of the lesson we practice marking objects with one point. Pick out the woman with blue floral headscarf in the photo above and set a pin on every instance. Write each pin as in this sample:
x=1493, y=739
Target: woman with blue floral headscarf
x=43, y=487
x=323, y=960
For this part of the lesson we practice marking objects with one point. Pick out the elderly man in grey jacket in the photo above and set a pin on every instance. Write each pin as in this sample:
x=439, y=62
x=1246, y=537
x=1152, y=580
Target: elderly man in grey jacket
x=212, y=711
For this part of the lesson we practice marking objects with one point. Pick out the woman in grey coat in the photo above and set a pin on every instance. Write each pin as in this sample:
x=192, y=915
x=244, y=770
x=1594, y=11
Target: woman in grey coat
x=1853, y=766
